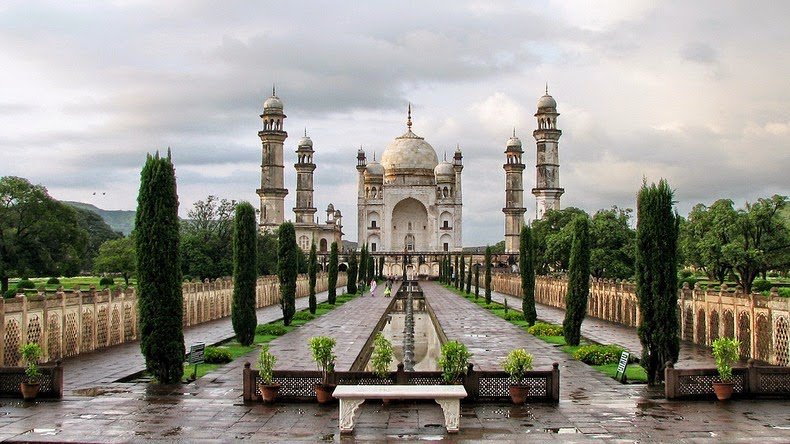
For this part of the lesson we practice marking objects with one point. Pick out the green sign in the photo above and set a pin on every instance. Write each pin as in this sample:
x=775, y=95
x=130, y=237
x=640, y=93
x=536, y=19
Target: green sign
x=621, y=366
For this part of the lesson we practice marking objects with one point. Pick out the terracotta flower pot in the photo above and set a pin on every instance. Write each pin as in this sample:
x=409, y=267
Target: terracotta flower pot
x=269, y=391
x=323, y=392
x=723, y=390
x=518, y=393
x=29, y=390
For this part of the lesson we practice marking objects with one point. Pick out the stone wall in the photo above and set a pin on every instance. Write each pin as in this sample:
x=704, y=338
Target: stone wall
x=69, y=323
x=760, y=323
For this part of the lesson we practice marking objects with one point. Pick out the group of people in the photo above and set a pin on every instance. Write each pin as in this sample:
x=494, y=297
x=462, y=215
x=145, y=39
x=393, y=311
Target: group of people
x=373, y=284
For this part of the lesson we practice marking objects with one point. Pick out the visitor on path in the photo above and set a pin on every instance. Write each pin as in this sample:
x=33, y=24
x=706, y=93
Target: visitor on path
x=372, y=287
x=361, y=286
x=387, y=292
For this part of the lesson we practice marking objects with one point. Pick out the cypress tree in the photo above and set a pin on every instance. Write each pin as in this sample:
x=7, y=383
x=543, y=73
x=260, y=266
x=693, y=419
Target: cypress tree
x=287, y=270
x=312, y=270
x=381, y=267
x=656, y=278
x=477, y=281
x=371, y=267
x=462, y=271
x=469, y=276
x=441, y=269
x=456, y=272
x=526, y=265
x=578, y=282
x=245, y=275
x=405, y=258
x=332, y=278
x=160, y=302
x=488, y=274
x=363, y=266
x=351, y=286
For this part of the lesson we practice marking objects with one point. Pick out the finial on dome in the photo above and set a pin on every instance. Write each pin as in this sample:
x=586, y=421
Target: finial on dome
x=273, y=91
x=408, y=119
x=514, y=131
x=445, y=156
x=547, y=88
x=374, y=155
x=305, y=131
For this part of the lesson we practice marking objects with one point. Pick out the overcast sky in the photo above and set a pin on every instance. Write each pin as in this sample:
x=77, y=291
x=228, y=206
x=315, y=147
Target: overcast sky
x=695, y=92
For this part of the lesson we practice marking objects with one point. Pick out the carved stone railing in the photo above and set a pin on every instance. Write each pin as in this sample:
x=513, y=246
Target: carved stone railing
x=51, y=381
x=761, y=323
x=297, y=385
x=66, y=324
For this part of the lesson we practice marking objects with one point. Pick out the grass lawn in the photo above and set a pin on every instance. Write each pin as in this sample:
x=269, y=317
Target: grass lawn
x=634, y=372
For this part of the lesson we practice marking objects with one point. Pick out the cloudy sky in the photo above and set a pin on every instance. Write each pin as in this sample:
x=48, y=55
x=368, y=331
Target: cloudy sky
x=696, y=92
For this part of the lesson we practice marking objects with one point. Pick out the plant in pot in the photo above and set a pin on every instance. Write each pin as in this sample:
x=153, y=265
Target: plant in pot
x=725, y=352
x=517, y=363
x=454, y=361
x=321, y=348
x=268, y=388
x=381, y=358
x=31, y=352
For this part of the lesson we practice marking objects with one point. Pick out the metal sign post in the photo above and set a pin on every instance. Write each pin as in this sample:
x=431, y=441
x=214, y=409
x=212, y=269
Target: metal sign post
x=196, y=353
x=621, y=366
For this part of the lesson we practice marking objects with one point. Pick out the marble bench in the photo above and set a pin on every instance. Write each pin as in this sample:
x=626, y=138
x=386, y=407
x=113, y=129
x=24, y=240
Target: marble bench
x=352, y=396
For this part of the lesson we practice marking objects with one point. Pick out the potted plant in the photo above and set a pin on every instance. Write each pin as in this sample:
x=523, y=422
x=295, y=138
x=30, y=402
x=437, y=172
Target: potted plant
x=268, y=388
x=321, y=347
x=725, y=352
x=382, y=356
x=517, y=363
x=454, y=361
x=31, y=352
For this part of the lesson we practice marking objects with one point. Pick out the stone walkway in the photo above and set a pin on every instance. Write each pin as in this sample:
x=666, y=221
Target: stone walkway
x=105, y=366
x=350, y=325
x=592, y=407
x=605, y=332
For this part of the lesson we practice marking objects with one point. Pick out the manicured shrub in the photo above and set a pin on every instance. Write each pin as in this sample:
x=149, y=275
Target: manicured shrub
x=657, y=229
x=217, y=355
x=312, y=270
x=351, y=285
x=488, y=274
x=106, y=281
x=598, y=354
x=526, y=266
x=332, y=277
x=245, y=273
x=26, y=284
x=10, y=293
x=462, y=271
x=159, y=271
x=287, y=270
x=53, y=281
x=544, y=329
x=760, y=285
x=382, y=355
x=513, y=316
x=469, y=276
x=454, y=361
x=784, y=292
x=271, y=329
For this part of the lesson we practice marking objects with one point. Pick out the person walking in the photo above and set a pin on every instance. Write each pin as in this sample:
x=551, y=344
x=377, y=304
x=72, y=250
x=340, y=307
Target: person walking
x=372, y=287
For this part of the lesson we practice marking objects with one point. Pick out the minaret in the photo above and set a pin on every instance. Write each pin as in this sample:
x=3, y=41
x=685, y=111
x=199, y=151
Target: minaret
x=514, y=194
x=304, y=166
x=458, y=166
x=547, y=189
x=361, y=197
x=272, y=192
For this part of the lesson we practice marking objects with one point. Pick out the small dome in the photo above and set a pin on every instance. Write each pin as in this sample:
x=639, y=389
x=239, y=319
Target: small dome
x=514, y=142
x=338, y=214
x=547, y=102
x=273, y=102
x=374, y=169
x=306, y=141
x=330, y=208
x=445, y=168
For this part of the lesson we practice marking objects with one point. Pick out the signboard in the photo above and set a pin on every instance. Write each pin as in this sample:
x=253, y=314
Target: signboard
x=620, y=374
x=196, y=353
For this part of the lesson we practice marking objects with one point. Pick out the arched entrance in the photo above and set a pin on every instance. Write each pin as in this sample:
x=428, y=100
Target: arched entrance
x=410, y=226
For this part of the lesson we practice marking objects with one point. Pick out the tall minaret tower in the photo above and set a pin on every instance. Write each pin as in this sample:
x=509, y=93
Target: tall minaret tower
x=547, y=189
x=514, y=194
x=304, y=165
x=272, y=191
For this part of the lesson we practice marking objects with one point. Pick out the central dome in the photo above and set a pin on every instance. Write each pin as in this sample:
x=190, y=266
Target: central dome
x=409, y=151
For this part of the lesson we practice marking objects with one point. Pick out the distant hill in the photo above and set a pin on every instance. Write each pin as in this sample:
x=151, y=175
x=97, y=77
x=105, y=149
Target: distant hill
x=118, y=220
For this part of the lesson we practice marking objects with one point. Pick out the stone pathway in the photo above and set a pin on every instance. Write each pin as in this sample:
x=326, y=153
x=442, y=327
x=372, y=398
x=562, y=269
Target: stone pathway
x=350, y=324
x=103, y=367
x=605, y=332
x=591, y=409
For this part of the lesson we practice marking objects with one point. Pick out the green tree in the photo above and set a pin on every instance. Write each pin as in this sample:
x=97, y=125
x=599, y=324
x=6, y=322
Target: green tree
x=526, y=267
x=312, y=270
x=207, y=239
x=287, y=270
x=488, y=274
x=656, y=278
x=362, y=270
x=160, y=303
x=498, y=248
x=97, y=231
x=612, y=243
x=267, y=254
x=117, y=256
x=469, y=275
x=552, y=245
x=461, y=272
x=245, y=274
x=371, y=267
x=38, y=234
x=456, y=272
x=578, y=282
x=351, y=286
x=332, y=278
x=704, y=234
x=477, y=281
x=381, y=267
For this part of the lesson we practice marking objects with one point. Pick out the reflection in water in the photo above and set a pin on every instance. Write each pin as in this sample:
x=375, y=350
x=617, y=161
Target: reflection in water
x=426, y=342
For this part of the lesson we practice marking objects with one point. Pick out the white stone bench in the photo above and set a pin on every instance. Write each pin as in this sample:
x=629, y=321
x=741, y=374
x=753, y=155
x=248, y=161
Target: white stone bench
x=352, y=396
